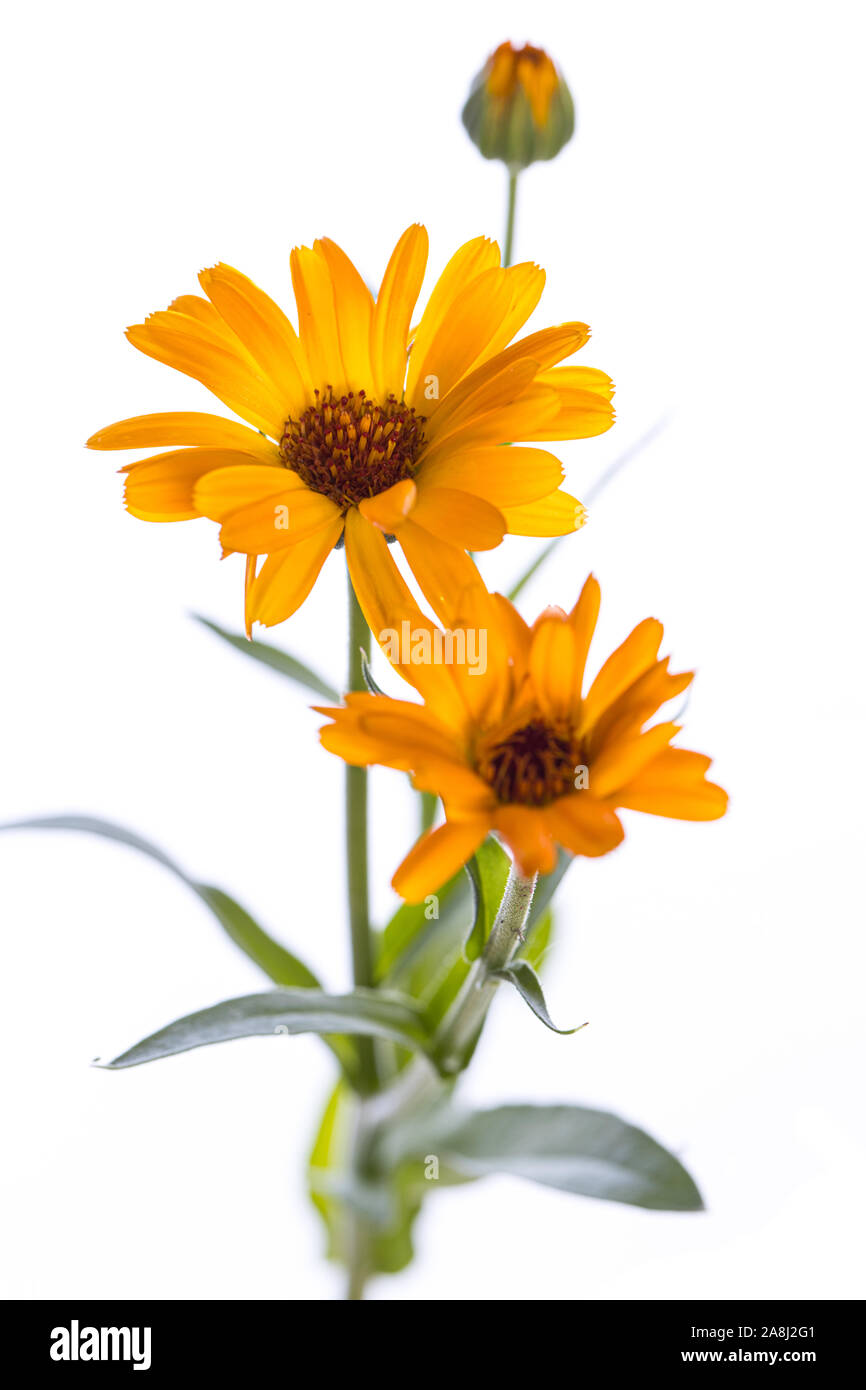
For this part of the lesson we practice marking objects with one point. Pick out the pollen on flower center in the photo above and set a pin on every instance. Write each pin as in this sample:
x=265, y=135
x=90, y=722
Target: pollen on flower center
x=532, y=765
x=350, y=448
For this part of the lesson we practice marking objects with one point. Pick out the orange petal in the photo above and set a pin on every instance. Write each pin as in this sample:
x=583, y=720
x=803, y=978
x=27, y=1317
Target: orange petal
x=630, y=660
x=674, y=784
x=554, y=665
x=584, y=825
x=232, y=488
x=582, y=620
x=525, y=830
x=469, y=261
x=620, y=761
x=437, y=856
x=389, y=509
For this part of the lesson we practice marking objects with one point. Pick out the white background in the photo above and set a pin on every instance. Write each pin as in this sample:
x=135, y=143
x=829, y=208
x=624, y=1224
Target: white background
x=707, y=221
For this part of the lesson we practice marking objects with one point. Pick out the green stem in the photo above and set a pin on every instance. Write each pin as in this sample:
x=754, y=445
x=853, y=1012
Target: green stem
x=461, y=1027
x=356, y=849
x=429, y=801
x=509, y=219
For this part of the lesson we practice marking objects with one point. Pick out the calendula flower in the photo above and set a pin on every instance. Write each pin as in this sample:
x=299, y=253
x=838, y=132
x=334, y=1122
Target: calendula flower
x=513, y=745
x=360, y=425
x=520, y=108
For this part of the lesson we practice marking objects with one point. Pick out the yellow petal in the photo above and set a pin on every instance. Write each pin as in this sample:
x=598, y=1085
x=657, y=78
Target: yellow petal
x=505, y=476
x=386, y=603
x=582, y=620
x=162, y=488
x=469, y=261
x=228, y=374
x=354, y=310
x=556, y=515
x=181, y=427
x=232, y=488
x=287, y=577
x=444, y=572
x=392, y=315
x=265, y=332
x=459, y=518
x=317, y=319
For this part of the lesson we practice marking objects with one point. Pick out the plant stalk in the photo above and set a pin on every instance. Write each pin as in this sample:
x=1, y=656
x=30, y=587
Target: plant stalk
x=509, y=216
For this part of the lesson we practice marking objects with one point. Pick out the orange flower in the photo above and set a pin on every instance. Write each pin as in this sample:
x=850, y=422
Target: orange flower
x=361, y=425
x=512, y=744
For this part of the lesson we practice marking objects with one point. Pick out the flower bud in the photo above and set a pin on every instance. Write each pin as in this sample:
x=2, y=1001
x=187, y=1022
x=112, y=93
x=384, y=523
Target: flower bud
x=519, y=109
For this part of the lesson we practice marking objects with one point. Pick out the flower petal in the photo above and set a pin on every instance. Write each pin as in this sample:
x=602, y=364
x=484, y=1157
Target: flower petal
x=584, y=825
x=459, y=518
x=444, y=572
x=162, y=488
x=674, y=784
x=437, y=856
x=287, y=577
x=181, y=427
x=528, y=836
x=354, y=310
x=389, y=509
x=556, y=515
x=505, y=476
x=392, y=315
x=264, y=330
x=636, y=655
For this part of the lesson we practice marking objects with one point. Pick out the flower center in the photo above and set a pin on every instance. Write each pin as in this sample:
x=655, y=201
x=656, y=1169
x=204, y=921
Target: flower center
x=349, y=448
x=534, y=765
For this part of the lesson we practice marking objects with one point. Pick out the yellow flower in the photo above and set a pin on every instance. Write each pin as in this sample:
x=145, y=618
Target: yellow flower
x=520, y=108
x=362, y=426
x=512, y=744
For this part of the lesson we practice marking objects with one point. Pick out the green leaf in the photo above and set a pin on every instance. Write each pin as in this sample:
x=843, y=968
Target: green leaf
x=590, y=497
x=287, y=1011
x=521, y=974
x=279, y=964
x=275, y=658
x=587, y=1152
x=367, y=673
x=488, y=872
x=539, y=938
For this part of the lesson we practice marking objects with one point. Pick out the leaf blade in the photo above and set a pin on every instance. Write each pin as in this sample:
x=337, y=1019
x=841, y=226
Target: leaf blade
x=521, y=975
x=276, y=1012
x=276, y=659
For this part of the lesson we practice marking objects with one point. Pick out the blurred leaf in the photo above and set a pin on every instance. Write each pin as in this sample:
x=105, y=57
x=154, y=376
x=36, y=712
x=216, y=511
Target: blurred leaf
x=587, y=1152
x=488, y=872
x=277, y=1012
x=521, y=974
x=280, y=965
x=275, y=658
x=539, y=939
x=590, y=497
x=412, y=921
x=547, y=886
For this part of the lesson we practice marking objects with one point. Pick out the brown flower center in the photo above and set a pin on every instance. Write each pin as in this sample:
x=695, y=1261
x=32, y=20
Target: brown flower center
x=533, y=765
x=349, y=448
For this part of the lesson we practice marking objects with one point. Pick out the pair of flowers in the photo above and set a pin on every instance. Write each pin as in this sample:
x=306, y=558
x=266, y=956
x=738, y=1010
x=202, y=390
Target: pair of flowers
x=365, y=428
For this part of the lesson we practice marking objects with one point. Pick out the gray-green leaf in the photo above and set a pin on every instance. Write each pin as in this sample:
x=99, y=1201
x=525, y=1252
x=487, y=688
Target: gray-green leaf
x=275, y=658
x=521, y=974
x=587, y=1152
x=285, y=1011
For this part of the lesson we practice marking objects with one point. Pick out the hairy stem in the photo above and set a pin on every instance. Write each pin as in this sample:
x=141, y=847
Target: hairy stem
x=509, y=216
